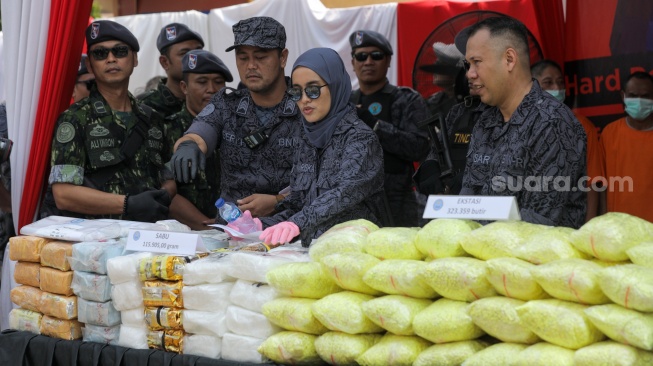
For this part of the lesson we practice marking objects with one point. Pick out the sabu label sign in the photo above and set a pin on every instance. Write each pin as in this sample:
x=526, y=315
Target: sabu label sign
x=472, y=208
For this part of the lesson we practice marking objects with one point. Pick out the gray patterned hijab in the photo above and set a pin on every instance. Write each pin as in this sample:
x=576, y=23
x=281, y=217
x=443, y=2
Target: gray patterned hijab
x=329, y=66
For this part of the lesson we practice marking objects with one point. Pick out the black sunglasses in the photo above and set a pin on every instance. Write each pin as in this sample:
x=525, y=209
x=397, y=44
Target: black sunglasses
x=312, y=91
x=376, y=56
x=101, y=53
x=88, y=83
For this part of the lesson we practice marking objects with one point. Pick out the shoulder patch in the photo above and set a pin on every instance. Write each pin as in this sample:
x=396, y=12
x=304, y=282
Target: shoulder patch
x=289, y=108
x=243, y=105
x=65, y=132
x=207, y=110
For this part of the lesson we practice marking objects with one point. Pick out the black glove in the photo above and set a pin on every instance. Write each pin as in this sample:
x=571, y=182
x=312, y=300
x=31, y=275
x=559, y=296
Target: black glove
x=366, y=116
x=427, y=178
x=186, y=160
x=148, y=206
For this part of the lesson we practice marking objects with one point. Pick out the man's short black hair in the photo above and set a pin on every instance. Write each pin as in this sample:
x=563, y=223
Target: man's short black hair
x=637, y=75
x=508, y=28
x=538, y=68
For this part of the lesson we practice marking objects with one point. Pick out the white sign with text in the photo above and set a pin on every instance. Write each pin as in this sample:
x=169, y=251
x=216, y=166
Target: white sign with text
x=472, y=207
x=168, y=242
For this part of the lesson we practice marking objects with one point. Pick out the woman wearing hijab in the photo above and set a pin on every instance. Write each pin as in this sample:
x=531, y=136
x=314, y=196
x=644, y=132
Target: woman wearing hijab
x=337, y=171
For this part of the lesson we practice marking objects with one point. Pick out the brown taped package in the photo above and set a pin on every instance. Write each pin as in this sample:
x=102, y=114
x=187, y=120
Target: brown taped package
x=27, y=297
x=163, y=318
x=26, y=248
x=54, y=255
x=61, y=328
x=56, y=281
x=168, y=340
x=27, y=273
x=162, y=293
x=58, y=306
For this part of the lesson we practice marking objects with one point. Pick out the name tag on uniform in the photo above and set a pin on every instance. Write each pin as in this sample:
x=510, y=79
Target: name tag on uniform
x=472, y=207
x=168, y=242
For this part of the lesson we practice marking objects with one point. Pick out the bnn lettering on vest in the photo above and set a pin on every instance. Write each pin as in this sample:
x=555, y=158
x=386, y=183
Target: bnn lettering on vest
x=588, y=85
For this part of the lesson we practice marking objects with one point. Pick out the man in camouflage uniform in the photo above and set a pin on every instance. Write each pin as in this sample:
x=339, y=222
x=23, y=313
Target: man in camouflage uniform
x=255, y=130
x=393, y=113
x=204, y=75
x=173, y=42
x=108, y=150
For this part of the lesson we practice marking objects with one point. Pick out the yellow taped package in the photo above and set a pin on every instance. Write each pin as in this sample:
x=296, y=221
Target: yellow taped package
x=448, y=354
x=623, y=325
x=511, y=277
x=463, y=279
x=25, y=320
x=291, y=348
x=571, y=279
x=165, y=267
x=400, y=277
x=26, y=248
x=348, y=269
x=337, y=348
x=343, y=312
x=345, y=239
x=58, y=306
x=549, y=245
x=609, y=236
x=440, y=238
x=395, y=313
x=394, y=350
x=163, y=293
x=166, y=340
x=54, y=254
x=163, y=318
x=610, y=353
x=630, y=286
x=56, y=281
x=562, y=323
x=302, y=279
x=497, y=317
x=641, y=254
x=545, y=354
x=61, y=328
x=446, y=321
x=500, y=354
x=27, y=297
x=27, y=273
x=393, y=243
x=293, y=314
x=498, y=239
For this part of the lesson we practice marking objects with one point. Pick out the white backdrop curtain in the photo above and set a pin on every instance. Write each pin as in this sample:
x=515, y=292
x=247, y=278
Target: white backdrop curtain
x=25, y=27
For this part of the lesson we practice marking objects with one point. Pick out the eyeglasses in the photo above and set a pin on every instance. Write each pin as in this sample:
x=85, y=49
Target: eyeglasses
x=376, y=56
x=101, y=53
x=312, y=91
x=88, y=83
x=466, y=65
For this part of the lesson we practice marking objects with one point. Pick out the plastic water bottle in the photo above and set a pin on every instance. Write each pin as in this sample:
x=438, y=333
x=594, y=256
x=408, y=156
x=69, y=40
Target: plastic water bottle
x=230, y=213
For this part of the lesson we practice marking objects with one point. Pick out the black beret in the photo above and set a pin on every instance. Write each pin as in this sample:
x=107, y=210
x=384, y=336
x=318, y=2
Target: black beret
x=365, y=38
x=107, y=30
x=175, y=33
x=264, y=32
x=82, y=66
x=461, y=39
x=204, y=62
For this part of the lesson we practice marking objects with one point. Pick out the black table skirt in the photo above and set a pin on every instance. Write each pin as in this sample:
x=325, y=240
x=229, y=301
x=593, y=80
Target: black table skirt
x=28, y=349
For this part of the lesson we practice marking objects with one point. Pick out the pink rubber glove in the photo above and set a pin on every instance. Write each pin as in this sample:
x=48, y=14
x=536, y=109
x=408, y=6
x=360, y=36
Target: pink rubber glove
x=280, y=233
x=246, y=224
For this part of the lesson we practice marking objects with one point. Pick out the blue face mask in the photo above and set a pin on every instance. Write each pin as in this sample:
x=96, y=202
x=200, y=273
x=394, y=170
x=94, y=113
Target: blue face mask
x=639, y=108
x=559, y=94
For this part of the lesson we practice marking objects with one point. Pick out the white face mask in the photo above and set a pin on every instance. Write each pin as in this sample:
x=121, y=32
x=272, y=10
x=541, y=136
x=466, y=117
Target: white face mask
x=559, y=94
x=638, y=108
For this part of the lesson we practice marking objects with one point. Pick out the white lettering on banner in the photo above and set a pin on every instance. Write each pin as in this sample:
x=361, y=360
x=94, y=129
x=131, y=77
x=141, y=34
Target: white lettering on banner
x=168, y=242
x=472, y=207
